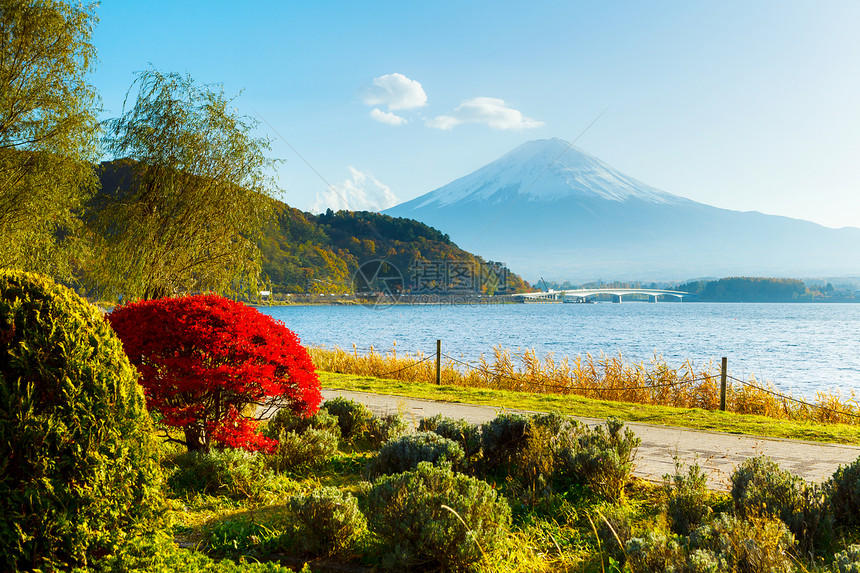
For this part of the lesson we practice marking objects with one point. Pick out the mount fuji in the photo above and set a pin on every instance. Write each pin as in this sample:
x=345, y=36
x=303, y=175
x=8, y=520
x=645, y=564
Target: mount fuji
x=550, y=209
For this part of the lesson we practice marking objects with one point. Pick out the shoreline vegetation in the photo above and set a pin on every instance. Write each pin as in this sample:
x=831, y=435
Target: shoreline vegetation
x=603, y=378
x=729, y=289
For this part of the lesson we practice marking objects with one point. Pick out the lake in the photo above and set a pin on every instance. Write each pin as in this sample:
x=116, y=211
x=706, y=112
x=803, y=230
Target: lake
x=800, y=348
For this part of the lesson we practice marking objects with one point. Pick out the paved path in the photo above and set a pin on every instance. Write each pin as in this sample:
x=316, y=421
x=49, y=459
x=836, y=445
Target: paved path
x=717, y=453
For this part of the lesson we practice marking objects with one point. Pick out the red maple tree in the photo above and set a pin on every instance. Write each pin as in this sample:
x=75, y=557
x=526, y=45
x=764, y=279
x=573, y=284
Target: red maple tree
x=215, y=367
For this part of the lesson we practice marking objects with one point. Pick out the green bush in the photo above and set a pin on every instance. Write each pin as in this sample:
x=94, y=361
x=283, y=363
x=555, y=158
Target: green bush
x=614, y=528
x=311, y=448
x=843, y=490
x=353, y=418
x=232, y=473
x=557, y=424
x=686, y=498
x=657, y=552
x=466, y=434
x=380, y=430
x=286, y=420
x=535, y=466
x=78, y=459
x=406, y=512
x=602, y=457
x=502, y=439
x=406, y=452
x=528, y=449
x=847, y=561
x=328, y=521
x=160, y=553
x=760, y=486
x=756, y=544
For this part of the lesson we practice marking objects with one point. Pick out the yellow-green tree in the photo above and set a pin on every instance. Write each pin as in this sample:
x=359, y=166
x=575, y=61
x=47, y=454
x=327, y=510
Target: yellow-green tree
x=48, y=131
x=195, y=195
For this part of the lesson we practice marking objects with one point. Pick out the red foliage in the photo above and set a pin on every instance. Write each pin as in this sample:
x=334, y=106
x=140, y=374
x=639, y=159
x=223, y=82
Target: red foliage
x=204, y=359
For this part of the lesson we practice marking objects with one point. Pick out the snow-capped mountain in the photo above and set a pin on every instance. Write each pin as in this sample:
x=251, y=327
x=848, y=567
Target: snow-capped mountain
x=550, y=209
x=544, y=170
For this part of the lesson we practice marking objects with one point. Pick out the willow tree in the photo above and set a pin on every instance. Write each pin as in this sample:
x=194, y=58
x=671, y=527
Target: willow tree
x=194, y=196
x=48, y=131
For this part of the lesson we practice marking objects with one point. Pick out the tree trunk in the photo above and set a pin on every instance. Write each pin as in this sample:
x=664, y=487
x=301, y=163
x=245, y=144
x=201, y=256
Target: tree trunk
x=195, y=440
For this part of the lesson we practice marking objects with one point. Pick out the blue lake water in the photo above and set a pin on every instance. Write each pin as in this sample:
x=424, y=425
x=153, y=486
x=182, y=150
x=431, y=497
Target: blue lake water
x=798, y=347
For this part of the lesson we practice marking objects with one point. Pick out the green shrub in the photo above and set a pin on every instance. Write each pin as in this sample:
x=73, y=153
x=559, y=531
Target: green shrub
x=286, y=420
x=843, y=490
x=655, y=553
x=311, y=448
x=759, y=486
x=756, y=544
x=160, y=553
x=556, y=424
x=406, y=512
x=380, y=430
x=329, y=521
x=686, y=498
x=602, y=457
x=431, y=423
x=406, y=452
x=701, y=561
x=528, y=450
x=466, y=434
x=232, y=473
x=353, y=418
x=614, y=528
x=535, y=466
x=78, y=459
x=847, y=561
x=502, y=439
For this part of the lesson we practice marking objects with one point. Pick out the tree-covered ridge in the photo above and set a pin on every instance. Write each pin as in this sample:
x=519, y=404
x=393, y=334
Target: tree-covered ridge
x=741, y=289
x=307, y=253
x=298, y=255
x=754, y=289
x=303, y=252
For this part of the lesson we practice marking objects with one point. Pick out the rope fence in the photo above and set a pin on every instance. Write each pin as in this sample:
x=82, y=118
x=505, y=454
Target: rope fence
x=579, y=388
x=408, y=366
x=532, y=378
x=793, y=399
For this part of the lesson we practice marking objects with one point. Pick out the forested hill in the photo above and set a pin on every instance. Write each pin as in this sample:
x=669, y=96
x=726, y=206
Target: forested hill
x=761, y=289
x=303, y=252
x=745, y=289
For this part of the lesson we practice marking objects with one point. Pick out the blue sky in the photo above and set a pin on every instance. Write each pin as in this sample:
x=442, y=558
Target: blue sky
x=747, y=105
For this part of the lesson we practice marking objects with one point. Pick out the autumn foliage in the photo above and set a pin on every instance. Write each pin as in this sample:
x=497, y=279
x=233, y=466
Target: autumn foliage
x=213, y=367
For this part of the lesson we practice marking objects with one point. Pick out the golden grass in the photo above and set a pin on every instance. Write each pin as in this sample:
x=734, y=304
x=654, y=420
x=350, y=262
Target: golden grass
x=606, y=378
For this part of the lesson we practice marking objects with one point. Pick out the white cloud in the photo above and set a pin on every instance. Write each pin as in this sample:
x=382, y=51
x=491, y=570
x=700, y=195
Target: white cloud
x=360, y=192
x=395, y=91
x=387, y=117
x=490, y=111
x=443, y=122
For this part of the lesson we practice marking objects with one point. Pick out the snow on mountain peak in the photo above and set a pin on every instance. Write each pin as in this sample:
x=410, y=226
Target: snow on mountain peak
x=545, y=170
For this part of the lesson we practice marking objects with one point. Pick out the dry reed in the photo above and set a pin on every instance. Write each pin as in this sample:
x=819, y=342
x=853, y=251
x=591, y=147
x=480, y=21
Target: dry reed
x=605, y=377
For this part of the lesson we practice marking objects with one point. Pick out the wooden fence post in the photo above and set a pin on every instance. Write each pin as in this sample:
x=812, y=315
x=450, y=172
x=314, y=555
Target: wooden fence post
x=438, y=362
x=723, y=370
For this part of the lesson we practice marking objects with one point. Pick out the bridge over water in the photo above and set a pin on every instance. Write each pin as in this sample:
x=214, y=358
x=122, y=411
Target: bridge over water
x=616, y=294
